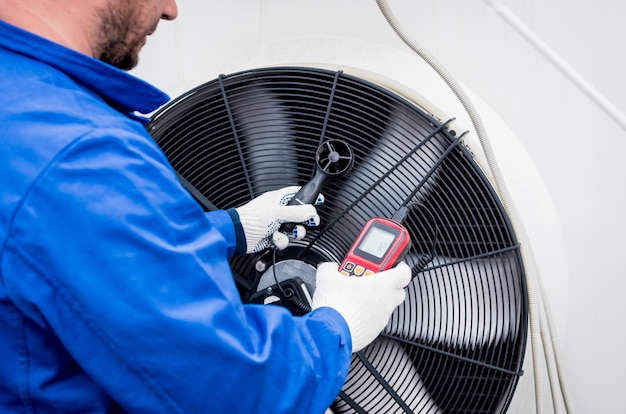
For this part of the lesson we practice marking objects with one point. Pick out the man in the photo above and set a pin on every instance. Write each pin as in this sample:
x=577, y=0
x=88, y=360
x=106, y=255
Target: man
x=115, y=289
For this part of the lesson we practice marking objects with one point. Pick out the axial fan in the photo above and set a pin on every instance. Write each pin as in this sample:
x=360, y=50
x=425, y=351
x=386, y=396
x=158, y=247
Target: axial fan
x=457, y=343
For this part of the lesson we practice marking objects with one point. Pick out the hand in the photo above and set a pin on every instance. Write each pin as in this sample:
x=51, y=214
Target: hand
x=365, y=302
x=262, y=217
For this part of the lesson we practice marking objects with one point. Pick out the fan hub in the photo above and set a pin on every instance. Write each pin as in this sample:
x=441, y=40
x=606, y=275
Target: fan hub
x=333, y=156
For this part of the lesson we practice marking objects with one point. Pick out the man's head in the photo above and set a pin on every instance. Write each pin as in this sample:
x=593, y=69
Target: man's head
x=110, y=30
x=122, y=27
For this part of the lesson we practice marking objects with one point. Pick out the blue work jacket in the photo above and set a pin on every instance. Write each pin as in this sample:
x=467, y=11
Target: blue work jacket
x=116, y=293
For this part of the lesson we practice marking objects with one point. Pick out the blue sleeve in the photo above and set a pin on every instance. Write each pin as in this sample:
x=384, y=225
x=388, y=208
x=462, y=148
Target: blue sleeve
x=134, y=279
x=227, y=223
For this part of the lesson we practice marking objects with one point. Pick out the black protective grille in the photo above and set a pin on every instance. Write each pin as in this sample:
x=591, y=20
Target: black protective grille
x=456, y=345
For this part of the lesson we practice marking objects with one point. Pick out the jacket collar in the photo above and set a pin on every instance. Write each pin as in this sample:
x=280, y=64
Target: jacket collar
x=122, y=90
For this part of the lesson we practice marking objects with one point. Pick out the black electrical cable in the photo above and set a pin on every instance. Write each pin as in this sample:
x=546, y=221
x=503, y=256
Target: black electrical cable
x=288, y=294
x=423, y=261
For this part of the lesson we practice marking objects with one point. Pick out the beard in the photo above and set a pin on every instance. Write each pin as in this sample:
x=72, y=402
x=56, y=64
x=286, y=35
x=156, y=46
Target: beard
x=120, y=33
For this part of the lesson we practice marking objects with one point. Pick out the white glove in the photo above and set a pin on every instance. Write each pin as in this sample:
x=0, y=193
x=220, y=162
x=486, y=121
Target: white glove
x=262, y=217
x=365, y=302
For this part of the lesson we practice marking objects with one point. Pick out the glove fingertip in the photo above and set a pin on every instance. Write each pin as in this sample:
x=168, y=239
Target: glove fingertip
x=280, y=240
x=314, y=221
x=402, y=275
x=298, y=232
x=401, y=296
x=320, y=199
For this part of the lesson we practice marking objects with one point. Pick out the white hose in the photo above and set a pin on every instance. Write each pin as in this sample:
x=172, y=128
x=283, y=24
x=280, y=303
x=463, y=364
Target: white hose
x=541, y=324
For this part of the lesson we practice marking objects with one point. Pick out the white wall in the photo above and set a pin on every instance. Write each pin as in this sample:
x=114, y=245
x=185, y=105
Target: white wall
x=574, y=150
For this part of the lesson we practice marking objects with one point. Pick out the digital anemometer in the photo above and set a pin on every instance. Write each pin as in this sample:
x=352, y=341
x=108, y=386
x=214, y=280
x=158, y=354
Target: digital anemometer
x=381, y=244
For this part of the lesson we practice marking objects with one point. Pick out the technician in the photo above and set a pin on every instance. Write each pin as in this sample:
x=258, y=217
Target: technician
x=116, y=293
